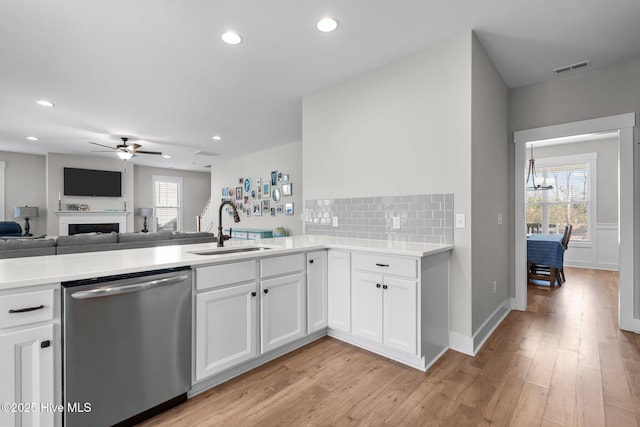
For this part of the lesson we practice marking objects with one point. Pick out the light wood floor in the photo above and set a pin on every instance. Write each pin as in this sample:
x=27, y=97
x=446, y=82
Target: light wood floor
x=562, y=362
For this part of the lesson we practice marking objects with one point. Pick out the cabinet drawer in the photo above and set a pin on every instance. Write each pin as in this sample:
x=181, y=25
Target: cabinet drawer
x=385, y=264
x=281, y=265
x=26, y=307
x=225, y=274
x=239, y=234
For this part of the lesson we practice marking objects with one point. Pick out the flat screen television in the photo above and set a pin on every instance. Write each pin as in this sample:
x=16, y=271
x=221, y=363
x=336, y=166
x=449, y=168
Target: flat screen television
x=89, y=182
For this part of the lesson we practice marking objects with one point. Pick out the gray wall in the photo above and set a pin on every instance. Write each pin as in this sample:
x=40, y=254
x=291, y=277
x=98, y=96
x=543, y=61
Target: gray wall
x=55, y=164
x=196, y=189
x=596, y=93
x=287, y=159
x=402, y=129
x=489, y=185
x=607, y=172
x=25, y=186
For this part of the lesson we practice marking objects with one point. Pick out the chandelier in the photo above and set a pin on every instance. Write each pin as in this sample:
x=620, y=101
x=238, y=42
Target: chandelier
x=533, y=182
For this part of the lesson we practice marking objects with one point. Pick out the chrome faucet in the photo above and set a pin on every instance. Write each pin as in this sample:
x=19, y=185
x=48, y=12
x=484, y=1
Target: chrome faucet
x=236, y=218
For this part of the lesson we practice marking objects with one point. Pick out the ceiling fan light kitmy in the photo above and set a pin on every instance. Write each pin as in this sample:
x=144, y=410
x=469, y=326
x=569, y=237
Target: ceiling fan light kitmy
x=124, y=154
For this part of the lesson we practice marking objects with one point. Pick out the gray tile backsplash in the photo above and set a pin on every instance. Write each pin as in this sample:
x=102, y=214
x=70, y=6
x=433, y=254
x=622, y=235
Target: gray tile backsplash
x=426, y=218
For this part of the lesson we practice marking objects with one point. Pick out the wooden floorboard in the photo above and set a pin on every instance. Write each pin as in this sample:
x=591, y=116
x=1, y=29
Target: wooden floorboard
x=563, y=362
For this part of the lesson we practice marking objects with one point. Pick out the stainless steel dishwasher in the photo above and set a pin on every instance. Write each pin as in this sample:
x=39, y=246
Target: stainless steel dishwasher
x=126, y=346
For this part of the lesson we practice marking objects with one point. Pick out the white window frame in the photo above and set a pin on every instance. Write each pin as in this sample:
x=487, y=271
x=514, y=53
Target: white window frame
x=172, y=179
x=592, y=209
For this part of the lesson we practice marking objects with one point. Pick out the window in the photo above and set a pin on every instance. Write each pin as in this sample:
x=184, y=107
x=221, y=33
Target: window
x=167, y=199
x=570, y=201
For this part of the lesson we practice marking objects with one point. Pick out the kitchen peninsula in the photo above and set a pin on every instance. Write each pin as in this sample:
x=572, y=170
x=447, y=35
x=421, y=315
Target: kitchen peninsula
x=387, y=297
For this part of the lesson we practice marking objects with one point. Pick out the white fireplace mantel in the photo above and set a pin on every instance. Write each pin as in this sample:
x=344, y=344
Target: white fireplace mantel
x=90, y=217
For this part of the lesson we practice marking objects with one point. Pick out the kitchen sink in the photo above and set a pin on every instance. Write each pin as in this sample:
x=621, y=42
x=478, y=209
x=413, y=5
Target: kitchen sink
x=227, y=251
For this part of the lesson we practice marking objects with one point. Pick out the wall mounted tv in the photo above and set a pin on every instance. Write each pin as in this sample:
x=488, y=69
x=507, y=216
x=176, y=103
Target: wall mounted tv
x=89, y=182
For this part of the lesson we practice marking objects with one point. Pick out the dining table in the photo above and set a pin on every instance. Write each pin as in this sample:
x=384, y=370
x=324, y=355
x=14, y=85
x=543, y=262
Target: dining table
x=546, y=250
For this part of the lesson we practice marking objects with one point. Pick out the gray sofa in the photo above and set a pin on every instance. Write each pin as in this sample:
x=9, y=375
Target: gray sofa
x=94, y=242
x=15, y=248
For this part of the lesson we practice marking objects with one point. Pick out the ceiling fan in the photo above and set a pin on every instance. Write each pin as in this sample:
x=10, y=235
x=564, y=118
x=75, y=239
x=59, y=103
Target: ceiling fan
x=126, y=151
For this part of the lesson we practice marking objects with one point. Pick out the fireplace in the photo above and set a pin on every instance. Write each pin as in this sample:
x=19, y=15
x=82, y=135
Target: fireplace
x=93, y=228
x=103, y=221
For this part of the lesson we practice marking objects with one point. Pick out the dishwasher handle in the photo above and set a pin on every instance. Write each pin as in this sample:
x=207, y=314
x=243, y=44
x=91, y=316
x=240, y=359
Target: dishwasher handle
x=125, y=289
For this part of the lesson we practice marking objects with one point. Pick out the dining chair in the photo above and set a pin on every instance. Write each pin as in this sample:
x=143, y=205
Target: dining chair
x=565, y=242
x=533, y=227
x=546, y=273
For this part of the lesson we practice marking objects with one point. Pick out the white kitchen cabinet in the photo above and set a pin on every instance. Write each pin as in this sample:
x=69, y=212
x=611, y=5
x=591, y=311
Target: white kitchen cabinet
x=283, y=307
x=367, y=306
x=384, y=310
x=339, y=290
x=316, y=291
x=226, y=328
x=385, y=307
x=28, y=356
x=226, y=317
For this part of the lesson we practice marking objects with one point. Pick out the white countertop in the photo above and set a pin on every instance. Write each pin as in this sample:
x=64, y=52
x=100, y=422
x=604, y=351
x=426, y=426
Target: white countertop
x=20, y=272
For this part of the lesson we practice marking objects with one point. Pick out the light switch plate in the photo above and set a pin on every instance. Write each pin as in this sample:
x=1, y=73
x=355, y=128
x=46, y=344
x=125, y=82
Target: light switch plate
x=461, y=221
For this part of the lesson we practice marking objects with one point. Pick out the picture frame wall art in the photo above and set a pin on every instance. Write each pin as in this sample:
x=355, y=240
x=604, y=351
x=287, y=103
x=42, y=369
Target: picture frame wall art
x=265, y=205
x=256, y=209
x=238, y=193
x=285, y=177
x=286, y=189
x=247, y=185
x=288, y=208
x=266, y=188
x=279, y=209
x=225, y=191
x=274, y=177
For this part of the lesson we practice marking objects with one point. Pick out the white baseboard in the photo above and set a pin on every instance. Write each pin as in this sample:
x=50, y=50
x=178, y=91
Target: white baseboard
x=461, y=343
x=472, y=345
x=484, y=332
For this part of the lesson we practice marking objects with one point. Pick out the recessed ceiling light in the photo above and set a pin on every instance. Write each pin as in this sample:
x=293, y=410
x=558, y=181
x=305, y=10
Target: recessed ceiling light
x=327, y=25
x=32, y=138
x=166, y=156
x=231, y=38
x=45, y=103
x=217, y=137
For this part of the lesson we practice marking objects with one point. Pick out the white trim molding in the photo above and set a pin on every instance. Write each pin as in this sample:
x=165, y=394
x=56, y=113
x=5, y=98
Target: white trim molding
x=623, y=124
x=472, y=345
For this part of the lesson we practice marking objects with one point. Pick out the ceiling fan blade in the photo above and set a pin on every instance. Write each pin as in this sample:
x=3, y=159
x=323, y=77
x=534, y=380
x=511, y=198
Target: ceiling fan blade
x=101, y=151
x=148, y=152
x=101, y=145
x=134, y=146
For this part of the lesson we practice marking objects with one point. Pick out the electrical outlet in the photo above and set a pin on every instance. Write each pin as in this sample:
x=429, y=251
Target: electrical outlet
x=396, y=223
x=494, y=287
x=334, y=221
x=499, y=219
x=461, y=221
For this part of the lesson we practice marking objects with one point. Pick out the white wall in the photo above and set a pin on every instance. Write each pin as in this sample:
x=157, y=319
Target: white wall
x=55, y=163
x=591, y=94
x=287, y=159
x=25, y=186
x=196, y=189
x=402, y=129
x=489, y=184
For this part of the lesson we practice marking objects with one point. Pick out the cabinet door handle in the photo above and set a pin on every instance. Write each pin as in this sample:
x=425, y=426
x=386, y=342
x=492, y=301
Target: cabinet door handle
x=382, y=265
x=253, y=294
x=266, y=291
x=384, y=286
x=24, y=310
x=310, y=261
x=378, y=285
x=45, y=344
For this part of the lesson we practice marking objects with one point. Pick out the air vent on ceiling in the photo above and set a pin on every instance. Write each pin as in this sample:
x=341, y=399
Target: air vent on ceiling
x=205, y=153
x=573, y=67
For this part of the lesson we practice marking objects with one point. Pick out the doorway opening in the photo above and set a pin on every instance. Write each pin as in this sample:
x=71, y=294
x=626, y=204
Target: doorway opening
x=622, y=127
